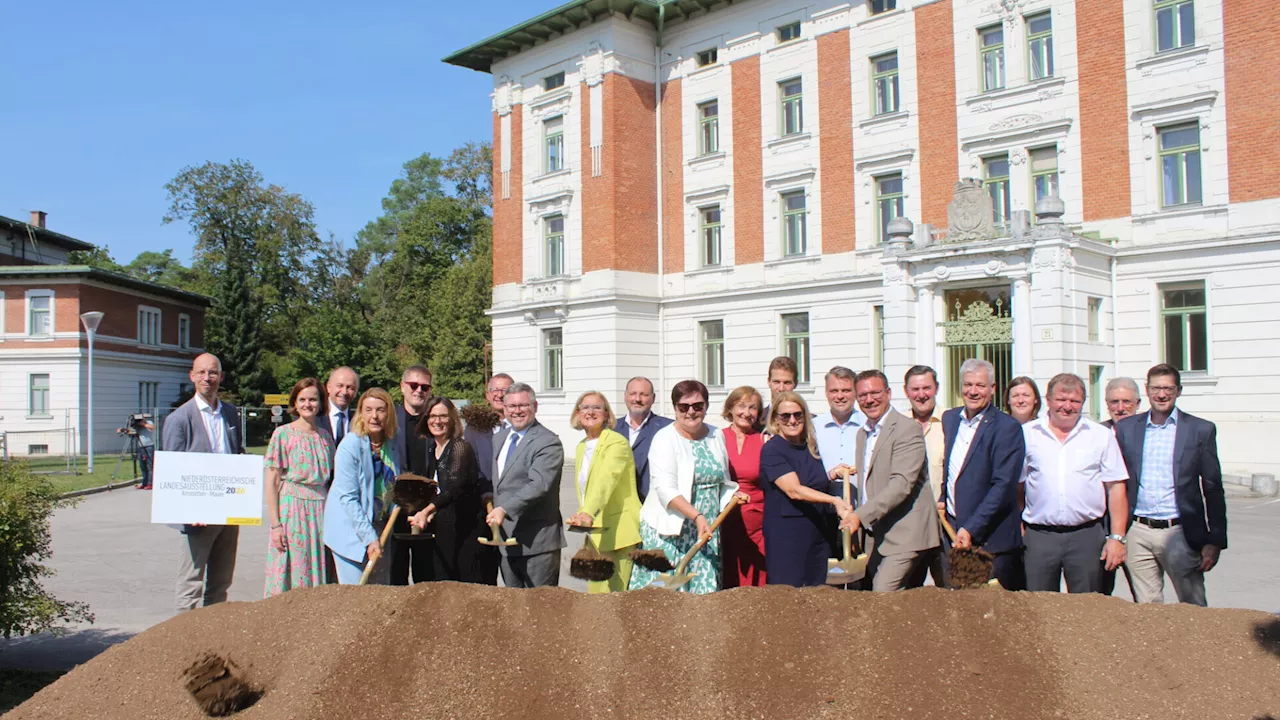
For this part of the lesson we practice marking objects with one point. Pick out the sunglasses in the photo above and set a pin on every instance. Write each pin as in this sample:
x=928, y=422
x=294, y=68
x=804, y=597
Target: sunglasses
x=790, y=417
x=420, y=387
x=687, y=408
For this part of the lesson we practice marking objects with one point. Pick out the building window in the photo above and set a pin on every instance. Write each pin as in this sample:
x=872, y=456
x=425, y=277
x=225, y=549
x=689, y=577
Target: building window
x=184, y=331
x=1175, y=24
x=38, y=449
x=795, y=343
x=889, y=202
x=551, y=82
x=1095, y=319
x=38, y=399
x=992, y=43
x=877, y=336
x=881, y=6
x=710, y=233
x=148, y=396
x=1044, y=172
x=553, y=134
x=708, y=127
x=708, y=57
x=1186, y=336
x=711, y=341
x=1095, y=392
x=553, y=232
x=787, y=33
x=553, y=358
x=148, y=326
x=1040, y=46
x=794, y=235
x=884, y=78
x=996, y=174
x=1180, y=164
x=40, y=313
x=792, y=120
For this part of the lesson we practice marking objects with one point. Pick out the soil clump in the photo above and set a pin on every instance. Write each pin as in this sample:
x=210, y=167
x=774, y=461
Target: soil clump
x=446, y=650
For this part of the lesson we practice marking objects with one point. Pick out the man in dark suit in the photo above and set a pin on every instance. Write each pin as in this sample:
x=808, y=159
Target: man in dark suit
x=204, y=424
x=528, y=459
x=411, y=450
x=1179, y=520
x=638, y=426
x=341, y=388
x=982, y=462
x=1123, y=399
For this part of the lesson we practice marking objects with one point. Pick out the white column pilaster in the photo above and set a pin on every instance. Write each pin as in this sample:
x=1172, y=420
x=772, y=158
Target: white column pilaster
x=1022, y=327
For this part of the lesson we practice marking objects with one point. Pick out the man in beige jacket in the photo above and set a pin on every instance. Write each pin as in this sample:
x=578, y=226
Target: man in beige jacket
x=895, y=503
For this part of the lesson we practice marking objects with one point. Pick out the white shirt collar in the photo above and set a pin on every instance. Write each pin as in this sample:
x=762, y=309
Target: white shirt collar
x=206, y=407
x=644, y=422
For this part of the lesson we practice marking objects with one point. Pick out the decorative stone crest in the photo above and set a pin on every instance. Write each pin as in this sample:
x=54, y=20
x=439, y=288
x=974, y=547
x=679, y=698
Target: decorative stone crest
x=969, y=213
x=1016, y=121
x=593, y=65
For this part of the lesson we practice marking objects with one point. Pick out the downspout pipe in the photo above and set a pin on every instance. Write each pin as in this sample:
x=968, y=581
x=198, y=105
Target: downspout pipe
x=662, y=311
x=1115, y=322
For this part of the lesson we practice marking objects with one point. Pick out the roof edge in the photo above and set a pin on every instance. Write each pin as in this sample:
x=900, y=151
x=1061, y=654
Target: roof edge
x=109, y=276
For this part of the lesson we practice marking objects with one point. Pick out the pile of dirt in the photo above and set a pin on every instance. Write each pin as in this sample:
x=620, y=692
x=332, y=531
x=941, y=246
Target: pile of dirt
x=458, y=651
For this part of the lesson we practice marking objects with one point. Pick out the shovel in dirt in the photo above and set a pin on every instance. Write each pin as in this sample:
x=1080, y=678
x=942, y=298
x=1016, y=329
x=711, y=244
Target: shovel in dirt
x=386, y=532
x=970, y=566
x=497, y=539
x=412, y=494
x=679, y=577
x=849, y=568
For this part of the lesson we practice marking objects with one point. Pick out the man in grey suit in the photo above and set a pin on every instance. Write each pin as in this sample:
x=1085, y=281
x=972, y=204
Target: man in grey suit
x=528, y=459
x=896, y=504
x=206, y=425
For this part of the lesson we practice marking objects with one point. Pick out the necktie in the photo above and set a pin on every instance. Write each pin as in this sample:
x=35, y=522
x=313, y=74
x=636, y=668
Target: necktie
x=511, y=448
x=341, y=430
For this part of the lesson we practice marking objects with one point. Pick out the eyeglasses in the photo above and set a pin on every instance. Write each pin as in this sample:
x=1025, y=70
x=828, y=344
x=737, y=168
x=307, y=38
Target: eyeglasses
x=590, y=408
x=791, y=417
x=418, y=387
x=872, y=394
x=691, y=408
x=441, y=418
x=1122, y=402
x=1162, y=389
x=498, y=391
x=521, y=406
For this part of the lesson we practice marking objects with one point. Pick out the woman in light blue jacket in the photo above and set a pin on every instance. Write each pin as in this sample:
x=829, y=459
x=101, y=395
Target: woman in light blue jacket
x=364, y=471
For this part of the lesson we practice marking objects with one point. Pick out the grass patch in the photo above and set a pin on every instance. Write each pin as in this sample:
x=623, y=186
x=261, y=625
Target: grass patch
x=17, y=686
x=104, y=466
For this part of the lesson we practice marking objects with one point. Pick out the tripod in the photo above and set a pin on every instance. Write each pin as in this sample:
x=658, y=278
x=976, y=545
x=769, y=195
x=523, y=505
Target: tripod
x=131, y=448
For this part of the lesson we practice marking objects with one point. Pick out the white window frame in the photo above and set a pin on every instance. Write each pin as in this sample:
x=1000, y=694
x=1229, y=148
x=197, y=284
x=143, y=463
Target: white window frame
x=547, y=349
x=52, y=314
x=2, y=315
x=184, y=331
x=46, y=411
x=159, y=325
x=784, y=337
x=704, y=344
x=1093, y=309
x=148, y=389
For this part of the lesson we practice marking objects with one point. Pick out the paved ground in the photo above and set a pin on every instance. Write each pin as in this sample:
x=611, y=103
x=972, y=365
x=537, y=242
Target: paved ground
x=106, y=553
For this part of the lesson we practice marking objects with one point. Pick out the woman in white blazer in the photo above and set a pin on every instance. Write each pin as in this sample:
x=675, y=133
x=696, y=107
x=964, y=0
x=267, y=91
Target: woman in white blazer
x=689, y=483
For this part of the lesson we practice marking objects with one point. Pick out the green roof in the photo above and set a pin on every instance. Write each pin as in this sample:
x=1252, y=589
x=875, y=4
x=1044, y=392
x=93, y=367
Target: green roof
x=107, y=276
x=569, y=17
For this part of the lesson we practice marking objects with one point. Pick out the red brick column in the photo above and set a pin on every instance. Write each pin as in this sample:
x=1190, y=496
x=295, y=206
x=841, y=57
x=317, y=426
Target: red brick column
x=1104, y=109
x=748, y=163
x=508, y=215
x=1251, y=36
x=936, y=90
x=835, y=118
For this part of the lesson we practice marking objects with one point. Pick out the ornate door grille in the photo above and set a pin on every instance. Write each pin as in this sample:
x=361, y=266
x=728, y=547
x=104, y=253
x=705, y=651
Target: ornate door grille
x=982, y=330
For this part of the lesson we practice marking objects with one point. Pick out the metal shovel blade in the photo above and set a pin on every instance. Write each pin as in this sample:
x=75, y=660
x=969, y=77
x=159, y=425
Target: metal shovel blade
x=672, y=581
x=848, y=570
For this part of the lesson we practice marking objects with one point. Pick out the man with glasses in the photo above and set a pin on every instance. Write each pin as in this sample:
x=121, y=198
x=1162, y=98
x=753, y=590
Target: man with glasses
x=411, y=450
x=638, y=426
x=528, y=461
x=1179, y=523
x=1122, y=400
x=895, y=505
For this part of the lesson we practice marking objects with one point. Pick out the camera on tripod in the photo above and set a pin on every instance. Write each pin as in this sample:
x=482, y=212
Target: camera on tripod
x=133, y=423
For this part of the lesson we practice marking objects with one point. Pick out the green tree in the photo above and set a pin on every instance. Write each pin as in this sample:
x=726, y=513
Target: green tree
x=462, y=328
x=98, y=257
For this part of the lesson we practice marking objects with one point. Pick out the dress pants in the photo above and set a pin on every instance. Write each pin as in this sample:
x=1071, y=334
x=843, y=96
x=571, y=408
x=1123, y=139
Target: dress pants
x=349, y=571
x=1053, y=554
x=409, y=554
x=886, y=573
x=530, y=571
x=1152, y=553
x=207, y=563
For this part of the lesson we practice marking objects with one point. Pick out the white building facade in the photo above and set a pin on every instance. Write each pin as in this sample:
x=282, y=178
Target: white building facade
x=688, y=189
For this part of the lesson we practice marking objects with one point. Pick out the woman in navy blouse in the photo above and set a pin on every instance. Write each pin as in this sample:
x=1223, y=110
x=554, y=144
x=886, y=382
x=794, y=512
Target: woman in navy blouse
x=796, y=498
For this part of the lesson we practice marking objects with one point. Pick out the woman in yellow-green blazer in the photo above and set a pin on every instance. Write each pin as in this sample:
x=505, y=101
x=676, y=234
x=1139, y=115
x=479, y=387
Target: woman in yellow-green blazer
x=605, y=477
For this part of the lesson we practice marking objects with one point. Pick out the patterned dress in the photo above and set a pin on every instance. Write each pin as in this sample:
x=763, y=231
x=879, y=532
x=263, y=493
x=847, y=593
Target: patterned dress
x=304, y=460
x=708, y=478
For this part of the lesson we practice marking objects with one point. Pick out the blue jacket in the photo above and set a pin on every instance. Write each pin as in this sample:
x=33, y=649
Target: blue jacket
x=640, y=450
x=348, y=510
x=986, y=500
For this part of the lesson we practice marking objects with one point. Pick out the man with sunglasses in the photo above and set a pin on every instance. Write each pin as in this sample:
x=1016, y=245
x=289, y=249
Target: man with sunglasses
x=411, y=451
x=896, y=505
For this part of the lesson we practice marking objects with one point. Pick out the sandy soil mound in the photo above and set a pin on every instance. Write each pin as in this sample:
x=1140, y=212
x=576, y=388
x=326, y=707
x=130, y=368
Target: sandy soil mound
x=458, y=651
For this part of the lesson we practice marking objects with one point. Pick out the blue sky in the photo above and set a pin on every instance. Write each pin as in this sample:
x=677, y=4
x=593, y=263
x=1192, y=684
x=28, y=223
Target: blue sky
x=107, y=101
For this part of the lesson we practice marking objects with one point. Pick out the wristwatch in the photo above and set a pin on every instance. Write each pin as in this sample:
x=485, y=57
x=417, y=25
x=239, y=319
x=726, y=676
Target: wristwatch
x=1118, y=538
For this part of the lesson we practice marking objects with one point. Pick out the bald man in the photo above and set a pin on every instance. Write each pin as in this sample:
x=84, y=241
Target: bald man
x=205, y=424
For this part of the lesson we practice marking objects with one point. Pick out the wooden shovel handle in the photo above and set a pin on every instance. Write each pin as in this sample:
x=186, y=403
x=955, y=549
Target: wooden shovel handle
x=684, y=561
x=386, y=532
x=951, y=533
x=846, y=535
x=497, y=539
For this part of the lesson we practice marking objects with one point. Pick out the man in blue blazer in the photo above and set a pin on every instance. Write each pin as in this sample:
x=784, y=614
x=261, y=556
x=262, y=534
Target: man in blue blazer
x=638, y=426
x=984, y=453
x=1179, y=521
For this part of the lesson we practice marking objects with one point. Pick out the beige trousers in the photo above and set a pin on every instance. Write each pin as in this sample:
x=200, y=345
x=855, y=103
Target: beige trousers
x=207, y=563
x=1151, y=554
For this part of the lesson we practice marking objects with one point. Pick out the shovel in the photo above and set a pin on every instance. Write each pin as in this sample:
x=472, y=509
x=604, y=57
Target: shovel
x=386, y=531
x=849, y=568
x=679, y=578
x=970, y=567
x=497, y=539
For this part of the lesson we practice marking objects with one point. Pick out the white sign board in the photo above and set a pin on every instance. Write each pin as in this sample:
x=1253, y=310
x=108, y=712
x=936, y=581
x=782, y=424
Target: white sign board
x=207, y=489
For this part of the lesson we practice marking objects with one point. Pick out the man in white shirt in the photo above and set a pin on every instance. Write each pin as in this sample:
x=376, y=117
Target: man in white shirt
x=342, y=388
x=1073, y=475
x=638, y=427
x=837, y=429
x=205, y=424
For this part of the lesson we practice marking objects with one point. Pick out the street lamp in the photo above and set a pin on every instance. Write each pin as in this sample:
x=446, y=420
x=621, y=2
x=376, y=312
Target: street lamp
x=91, y=321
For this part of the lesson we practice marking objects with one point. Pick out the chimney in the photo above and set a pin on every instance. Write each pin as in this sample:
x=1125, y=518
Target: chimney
x=38, y=218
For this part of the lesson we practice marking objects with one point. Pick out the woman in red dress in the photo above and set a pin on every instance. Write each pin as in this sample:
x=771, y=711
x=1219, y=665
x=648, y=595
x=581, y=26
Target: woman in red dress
x=742, y=534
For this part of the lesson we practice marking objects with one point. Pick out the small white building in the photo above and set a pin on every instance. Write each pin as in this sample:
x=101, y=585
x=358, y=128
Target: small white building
x=688, y=188
x=143, y=349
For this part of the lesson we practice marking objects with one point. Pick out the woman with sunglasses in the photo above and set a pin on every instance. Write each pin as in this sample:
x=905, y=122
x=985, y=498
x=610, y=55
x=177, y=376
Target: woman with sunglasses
x=689, y=481
x=796, y=502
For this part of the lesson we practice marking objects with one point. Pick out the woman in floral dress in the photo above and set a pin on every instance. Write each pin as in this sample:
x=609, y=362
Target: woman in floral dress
x=298, y=463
